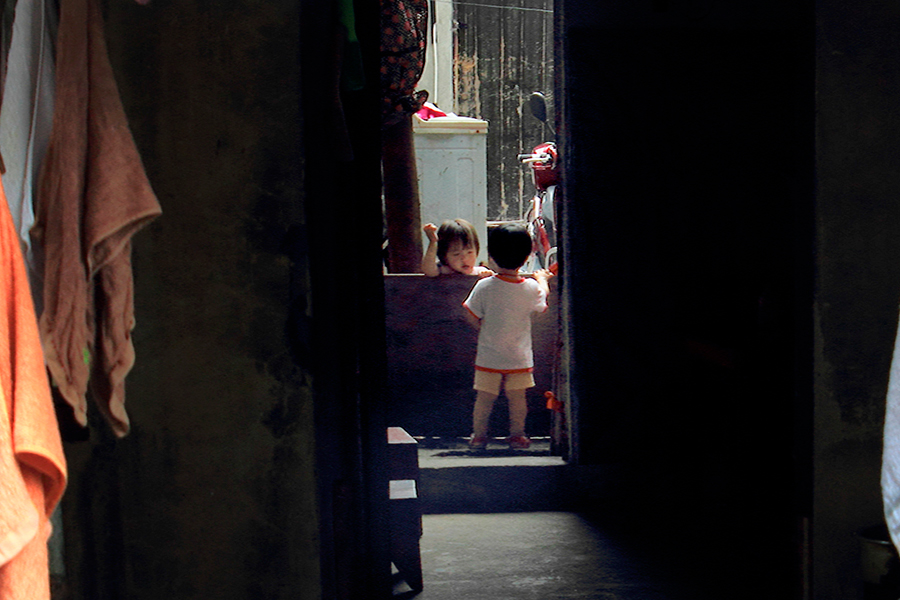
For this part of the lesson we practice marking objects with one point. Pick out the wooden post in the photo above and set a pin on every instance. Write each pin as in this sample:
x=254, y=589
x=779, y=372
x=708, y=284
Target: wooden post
x=401, y=198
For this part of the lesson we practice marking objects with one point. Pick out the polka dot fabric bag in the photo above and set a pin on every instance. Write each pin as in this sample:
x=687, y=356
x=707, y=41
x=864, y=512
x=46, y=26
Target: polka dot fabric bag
x=404, y=26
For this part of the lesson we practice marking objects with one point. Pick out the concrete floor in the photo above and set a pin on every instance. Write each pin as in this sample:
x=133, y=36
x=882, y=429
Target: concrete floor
x=503, y=525
x=445, y=452
x=536, y=556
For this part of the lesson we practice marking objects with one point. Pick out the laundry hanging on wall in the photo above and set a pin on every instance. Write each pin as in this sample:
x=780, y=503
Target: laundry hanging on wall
x=26, y=117
x=404, y=35
x=32, y=464
x=93, y=196
x=890, y=461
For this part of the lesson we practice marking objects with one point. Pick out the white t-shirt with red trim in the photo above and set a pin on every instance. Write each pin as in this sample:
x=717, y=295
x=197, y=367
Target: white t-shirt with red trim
x=505, y=306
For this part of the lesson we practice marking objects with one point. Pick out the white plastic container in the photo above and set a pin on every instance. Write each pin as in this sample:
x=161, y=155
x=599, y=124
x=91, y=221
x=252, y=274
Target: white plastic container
x=451, y=160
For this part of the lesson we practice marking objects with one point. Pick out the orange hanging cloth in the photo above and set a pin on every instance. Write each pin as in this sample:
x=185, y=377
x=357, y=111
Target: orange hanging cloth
x=93, y=195
x=32, y=464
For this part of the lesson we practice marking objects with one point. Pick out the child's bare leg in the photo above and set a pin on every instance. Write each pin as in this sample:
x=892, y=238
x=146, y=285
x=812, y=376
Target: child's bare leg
x=518, y=410
x=484, y=404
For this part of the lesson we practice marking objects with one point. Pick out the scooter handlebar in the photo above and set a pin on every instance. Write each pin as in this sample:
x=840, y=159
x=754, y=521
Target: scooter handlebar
x=535, y=158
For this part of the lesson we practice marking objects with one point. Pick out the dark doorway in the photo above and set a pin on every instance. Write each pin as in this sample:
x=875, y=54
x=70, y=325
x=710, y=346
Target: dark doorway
x=688, y=143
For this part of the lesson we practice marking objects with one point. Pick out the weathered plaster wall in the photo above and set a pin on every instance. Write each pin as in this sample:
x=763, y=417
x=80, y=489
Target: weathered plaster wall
x=213, y=493
x=501, y=55
x=858, y=282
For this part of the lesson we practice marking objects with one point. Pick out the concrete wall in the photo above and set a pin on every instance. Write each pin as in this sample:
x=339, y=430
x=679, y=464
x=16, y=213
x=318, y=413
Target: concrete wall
x=687, y=141
x=696, y=166
x=858, y=282
x=212, y=495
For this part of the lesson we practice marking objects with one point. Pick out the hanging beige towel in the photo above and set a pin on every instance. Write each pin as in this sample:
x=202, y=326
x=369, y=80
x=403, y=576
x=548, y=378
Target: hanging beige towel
x=93, y=195
x=32, y=464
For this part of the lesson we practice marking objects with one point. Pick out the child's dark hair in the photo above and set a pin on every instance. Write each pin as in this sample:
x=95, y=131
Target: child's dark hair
x=452, y=231
x=509, y=245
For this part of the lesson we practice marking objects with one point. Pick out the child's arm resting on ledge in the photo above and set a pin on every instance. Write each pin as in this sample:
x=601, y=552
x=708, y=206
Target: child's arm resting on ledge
x=429, y=260
x=542, y=276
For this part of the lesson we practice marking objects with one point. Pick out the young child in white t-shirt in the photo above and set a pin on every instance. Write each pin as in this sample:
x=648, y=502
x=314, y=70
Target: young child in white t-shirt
x=501, y=308
x=452, y=248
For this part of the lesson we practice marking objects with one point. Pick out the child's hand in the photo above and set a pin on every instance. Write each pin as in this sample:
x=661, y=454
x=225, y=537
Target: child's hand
x=430, y=230
x=543, y=274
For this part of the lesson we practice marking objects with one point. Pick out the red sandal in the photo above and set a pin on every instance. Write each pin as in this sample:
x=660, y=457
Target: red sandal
x=478, y=442
x=518, y=442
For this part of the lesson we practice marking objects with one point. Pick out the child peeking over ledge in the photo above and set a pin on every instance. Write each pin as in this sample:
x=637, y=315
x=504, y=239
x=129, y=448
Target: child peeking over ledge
x=452, y=248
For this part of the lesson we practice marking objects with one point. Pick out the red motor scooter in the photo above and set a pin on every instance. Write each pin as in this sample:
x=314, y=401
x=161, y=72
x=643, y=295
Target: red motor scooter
x=542, y=224
x=544, y=163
